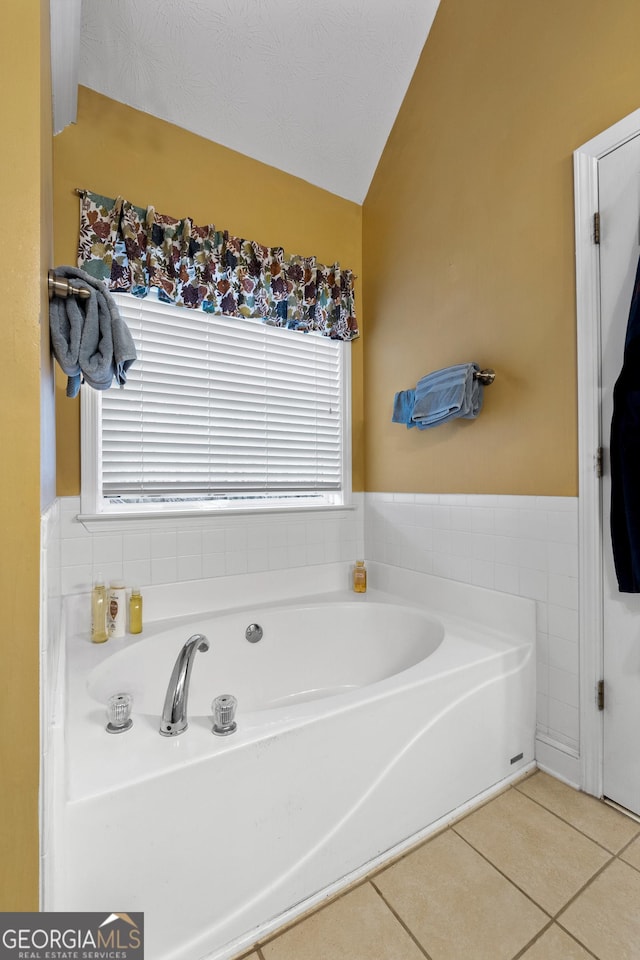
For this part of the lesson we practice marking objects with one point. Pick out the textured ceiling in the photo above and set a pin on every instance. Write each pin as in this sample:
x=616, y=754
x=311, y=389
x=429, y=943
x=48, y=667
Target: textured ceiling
x=312, y=88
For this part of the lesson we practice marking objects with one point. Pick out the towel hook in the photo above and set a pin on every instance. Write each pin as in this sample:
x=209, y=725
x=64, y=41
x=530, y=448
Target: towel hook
x=486, y=377
x=60, y=287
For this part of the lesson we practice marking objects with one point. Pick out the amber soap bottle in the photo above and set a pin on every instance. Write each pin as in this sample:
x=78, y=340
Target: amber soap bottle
x=99, y=611
x=135, y=611
x=360, y=577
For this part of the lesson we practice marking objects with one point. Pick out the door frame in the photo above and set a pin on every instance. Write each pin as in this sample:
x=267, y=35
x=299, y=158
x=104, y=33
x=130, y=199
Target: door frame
x=590, y=512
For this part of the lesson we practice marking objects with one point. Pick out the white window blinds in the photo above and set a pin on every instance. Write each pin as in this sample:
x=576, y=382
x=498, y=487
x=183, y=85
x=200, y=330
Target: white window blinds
x=217, y=406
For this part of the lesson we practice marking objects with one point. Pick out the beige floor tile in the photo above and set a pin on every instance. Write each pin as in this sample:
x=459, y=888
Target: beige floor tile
x=456, y=905
x=555, y=944
x=606, y=916
x=632, y=854
x=358, y=926
x=593, y=817
x=546, y=858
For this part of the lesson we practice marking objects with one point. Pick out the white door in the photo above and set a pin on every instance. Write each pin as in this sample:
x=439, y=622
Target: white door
x=619, y=193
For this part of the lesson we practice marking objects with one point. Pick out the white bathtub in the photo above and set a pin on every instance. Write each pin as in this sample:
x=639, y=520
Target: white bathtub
x=308, y=651
x=361, y=721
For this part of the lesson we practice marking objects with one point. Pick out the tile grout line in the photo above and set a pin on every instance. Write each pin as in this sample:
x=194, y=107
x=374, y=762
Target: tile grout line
x=297, y=921
x=583, y=888
x=393, y=861
x=400, y=921
x=259, y=953
x=627, y=864
x=504, y=875
x=573, y=826
x=596, y=875
x=533, y=940
x=249, y=953
x=624, y=850
x=554, y=917
x=579, y=942
x=553, y=923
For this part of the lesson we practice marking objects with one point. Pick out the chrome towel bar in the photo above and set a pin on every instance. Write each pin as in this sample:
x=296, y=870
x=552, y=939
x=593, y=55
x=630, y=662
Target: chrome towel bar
x=486, y=377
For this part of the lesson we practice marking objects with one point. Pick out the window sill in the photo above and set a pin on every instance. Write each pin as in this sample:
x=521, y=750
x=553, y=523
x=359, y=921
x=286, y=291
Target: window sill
x=131, y=520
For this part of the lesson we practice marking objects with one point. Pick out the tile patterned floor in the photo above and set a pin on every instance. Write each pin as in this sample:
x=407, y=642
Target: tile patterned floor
x=541, y=872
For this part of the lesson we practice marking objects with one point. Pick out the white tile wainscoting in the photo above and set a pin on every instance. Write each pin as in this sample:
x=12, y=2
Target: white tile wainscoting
x=522, y=545
x=174, y=550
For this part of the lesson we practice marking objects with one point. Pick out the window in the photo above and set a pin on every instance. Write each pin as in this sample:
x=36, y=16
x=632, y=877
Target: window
x=217, y=413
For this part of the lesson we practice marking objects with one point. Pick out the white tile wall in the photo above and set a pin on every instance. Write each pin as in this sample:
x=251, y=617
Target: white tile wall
x=208, y=547
x=522, y=545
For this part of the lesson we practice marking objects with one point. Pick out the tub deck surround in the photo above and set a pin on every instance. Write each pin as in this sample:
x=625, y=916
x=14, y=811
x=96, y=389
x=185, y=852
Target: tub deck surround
x=366, y=718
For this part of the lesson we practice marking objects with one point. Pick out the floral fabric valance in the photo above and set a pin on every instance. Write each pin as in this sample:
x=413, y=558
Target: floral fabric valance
x=136, y=250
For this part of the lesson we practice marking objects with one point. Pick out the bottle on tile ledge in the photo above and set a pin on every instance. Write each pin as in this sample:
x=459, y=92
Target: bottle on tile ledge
x=116, y=614
x=99, y=611
x=360, y=577
x=135, y=611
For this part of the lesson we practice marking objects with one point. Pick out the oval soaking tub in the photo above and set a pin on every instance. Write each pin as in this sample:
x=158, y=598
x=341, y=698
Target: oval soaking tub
x=361, y=721
x=307, y=652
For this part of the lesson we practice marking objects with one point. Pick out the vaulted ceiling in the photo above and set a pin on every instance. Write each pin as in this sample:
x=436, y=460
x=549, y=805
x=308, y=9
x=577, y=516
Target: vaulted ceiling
x=310, y=88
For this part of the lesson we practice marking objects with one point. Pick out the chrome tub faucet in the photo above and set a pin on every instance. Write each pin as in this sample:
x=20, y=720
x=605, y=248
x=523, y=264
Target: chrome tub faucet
x=174, y=714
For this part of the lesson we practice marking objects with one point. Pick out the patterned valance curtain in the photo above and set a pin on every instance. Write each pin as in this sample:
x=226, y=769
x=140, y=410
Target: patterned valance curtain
x=136, y=250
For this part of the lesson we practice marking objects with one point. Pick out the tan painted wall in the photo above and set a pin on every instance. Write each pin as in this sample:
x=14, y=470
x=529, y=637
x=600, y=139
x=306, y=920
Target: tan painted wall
x=47, y=370
x=114, y=149
x=468, y=242
x=24, y=172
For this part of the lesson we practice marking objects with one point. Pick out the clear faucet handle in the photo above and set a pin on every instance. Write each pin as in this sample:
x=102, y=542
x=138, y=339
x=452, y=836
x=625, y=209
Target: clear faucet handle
x=224, y=711
x=119, y=712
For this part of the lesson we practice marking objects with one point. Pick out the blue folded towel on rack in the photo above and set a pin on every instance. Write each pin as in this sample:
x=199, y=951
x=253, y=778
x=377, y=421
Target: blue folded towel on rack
x=403, y=407
x=443, y=395
x=447, y=394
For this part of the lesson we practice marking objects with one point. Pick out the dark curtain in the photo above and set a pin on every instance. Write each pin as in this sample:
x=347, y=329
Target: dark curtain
x=625, y=456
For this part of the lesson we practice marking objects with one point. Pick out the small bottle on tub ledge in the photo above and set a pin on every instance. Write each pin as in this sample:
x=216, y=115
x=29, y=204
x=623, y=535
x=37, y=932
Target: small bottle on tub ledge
x=116, y=611
x=99, y=611
x=135, y=611
x=360, y=577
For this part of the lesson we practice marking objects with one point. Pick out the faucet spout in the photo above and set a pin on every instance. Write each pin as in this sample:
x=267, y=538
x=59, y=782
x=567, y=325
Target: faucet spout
x=174, y=714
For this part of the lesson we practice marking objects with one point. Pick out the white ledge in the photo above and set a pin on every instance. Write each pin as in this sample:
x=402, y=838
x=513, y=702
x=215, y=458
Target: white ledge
x=96, y=522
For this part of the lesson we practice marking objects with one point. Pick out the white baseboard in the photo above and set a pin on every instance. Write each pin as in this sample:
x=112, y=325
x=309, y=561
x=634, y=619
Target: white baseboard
x=555, y=758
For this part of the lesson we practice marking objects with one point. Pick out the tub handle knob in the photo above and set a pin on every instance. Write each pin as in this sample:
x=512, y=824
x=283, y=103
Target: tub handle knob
x=224, y=711
x=119, y=713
